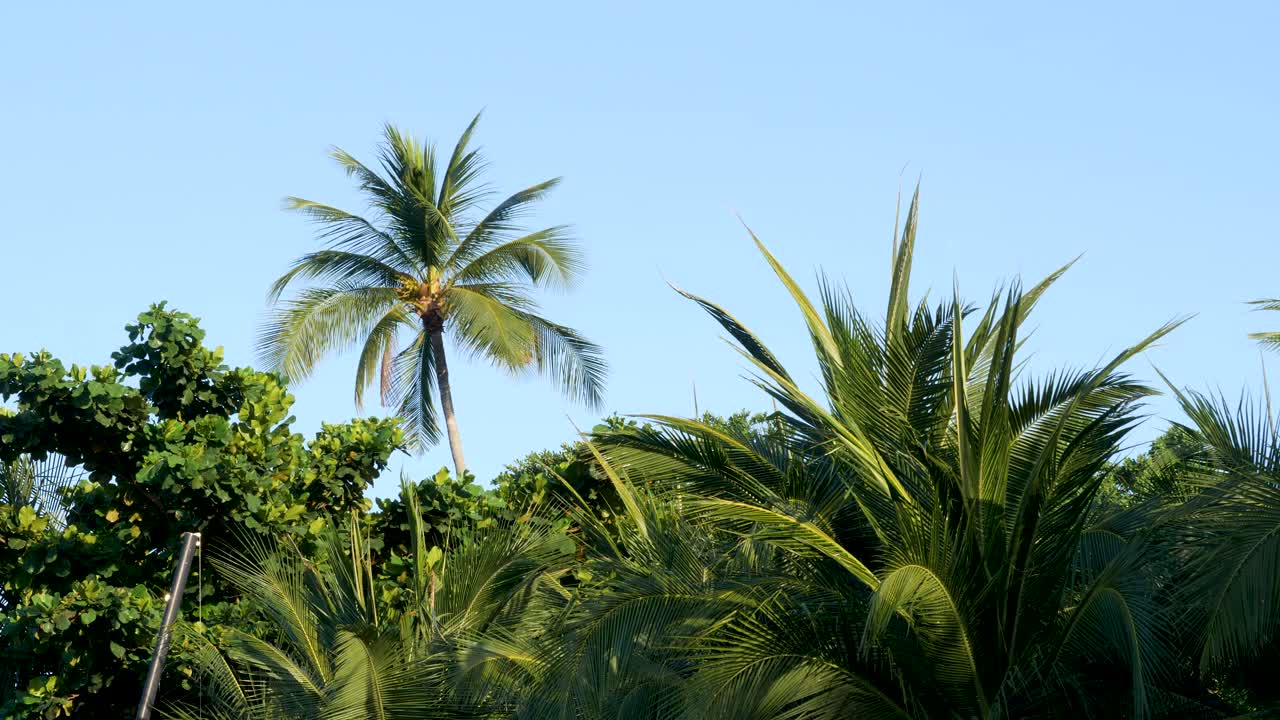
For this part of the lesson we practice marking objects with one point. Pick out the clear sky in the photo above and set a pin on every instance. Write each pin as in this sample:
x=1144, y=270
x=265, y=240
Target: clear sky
x=147, y=148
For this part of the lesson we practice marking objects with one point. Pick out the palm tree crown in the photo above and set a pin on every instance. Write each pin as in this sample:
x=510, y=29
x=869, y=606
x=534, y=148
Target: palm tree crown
x=423, y=263
x=932, y=493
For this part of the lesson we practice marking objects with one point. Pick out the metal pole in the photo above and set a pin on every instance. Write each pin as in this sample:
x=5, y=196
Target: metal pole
x=190, y=541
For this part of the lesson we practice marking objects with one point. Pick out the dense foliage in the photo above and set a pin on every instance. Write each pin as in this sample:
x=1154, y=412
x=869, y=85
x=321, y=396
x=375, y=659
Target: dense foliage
x=165, y=440
x=936, y=533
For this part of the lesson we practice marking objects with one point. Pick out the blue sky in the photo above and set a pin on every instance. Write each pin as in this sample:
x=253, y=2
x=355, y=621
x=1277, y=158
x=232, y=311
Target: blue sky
x=147, y=148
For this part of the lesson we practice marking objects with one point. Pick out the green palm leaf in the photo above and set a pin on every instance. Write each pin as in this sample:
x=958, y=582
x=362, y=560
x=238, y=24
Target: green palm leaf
x=1270, y=339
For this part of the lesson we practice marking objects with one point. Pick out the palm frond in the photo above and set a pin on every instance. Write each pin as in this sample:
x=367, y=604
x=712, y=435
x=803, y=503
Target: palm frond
x=545, y=258
x=1232, y=532
x=932, y=607
x=320, y=321
x=1270, y=339
x=40, y=484
x=1120, y=619
x=348, y=269
x=378, y=354
x=498, y=225
x=458, y=188
x=348, y=232
x=576, y=365
x=414, y=391
x=824, y=343
x=738, y=332
x=489, y=329
x=903, y=250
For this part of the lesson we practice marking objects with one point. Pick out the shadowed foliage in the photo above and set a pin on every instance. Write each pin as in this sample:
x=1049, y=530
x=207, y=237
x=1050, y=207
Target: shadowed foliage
x=339, y=650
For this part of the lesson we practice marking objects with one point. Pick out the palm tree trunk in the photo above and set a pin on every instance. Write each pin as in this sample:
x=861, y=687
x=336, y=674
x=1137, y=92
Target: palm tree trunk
x=446, y=401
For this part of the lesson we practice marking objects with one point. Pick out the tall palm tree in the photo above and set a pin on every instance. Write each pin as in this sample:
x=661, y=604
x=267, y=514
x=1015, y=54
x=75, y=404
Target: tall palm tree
x=425, y=263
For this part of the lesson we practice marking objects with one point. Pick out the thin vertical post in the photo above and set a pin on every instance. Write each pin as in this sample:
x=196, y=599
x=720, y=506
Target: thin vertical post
x=173, y=601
